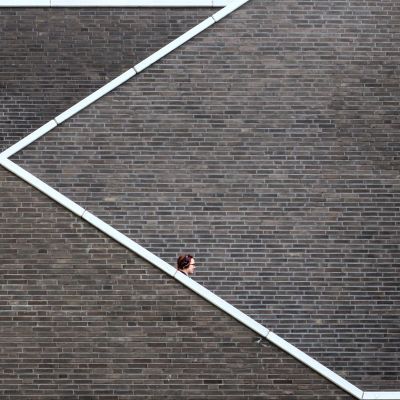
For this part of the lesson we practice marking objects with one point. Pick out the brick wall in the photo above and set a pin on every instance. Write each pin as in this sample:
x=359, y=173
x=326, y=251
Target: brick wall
x=83, y=318
x=52, y=58
x=267, y=147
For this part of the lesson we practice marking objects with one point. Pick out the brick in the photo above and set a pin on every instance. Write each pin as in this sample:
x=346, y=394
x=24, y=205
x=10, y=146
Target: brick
x=108, y=328
x=267, y=146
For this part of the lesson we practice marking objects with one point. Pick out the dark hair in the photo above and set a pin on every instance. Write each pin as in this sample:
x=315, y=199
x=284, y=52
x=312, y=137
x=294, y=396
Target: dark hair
x=183, y=261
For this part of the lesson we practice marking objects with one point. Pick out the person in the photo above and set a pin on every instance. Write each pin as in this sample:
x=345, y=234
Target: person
x=186, y=264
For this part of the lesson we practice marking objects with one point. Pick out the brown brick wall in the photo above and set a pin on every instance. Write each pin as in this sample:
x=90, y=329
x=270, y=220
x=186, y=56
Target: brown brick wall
x=267, y=147
x=83, y=318
x=54, y=57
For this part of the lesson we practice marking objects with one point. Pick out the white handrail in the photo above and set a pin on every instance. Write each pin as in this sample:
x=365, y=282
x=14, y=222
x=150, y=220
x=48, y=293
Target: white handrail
x=142, y=252
x=114, y=3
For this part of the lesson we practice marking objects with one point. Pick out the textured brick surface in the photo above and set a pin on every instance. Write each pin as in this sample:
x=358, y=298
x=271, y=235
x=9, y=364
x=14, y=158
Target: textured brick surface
x=82, y=318
x=52, y=58
x=268, y=147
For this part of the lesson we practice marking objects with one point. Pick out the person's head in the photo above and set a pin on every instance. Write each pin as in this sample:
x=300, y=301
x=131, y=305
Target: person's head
x=186, y=264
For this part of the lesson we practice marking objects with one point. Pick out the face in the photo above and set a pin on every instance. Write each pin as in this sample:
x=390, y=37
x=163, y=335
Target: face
x=191, y=268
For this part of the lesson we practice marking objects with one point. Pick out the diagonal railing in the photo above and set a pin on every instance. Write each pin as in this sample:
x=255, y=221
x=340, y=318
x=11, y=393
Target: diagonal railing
x=107, y=229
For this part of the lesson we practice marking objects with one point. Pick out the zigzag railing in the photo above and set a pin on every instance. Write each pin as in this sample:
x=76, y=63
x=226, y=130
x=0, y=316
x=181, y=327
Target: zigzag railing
x=230, y=6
